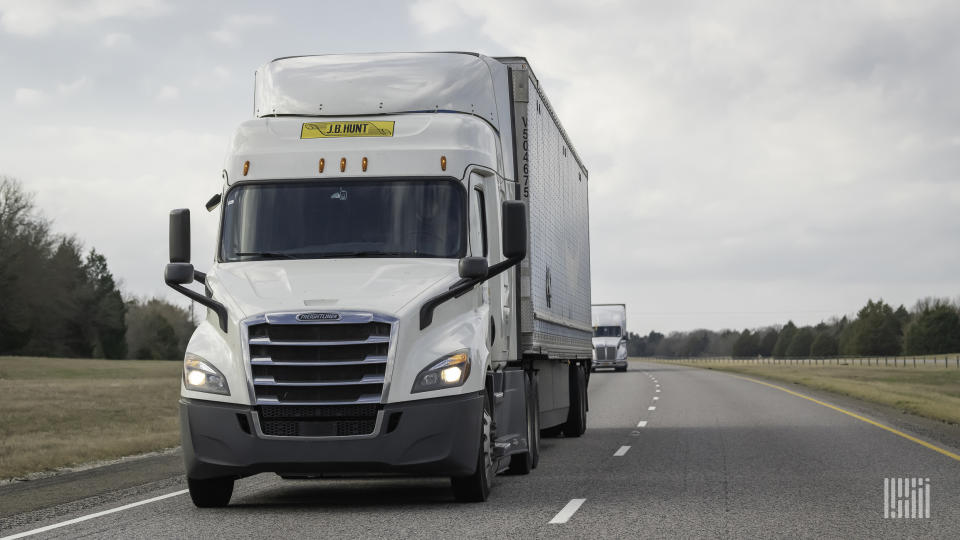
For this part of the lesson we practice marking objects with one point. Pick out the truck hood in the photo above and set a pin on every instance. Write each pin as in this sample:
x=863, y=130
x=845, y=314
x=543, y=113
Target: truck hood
x=375, y=285
x=606, y=341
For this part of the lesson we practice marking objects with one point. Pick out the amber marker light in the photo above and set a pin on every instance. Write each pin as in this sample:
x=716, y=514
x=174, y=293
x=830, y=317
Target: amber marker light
x=320, y=166
x=246, y=167
x=343, y=164
x=363, y=164
x=443, y=163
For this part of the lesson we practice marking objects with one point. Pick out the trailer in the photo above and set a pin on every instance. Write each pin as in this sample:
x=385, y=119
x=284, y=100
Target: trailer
x=402, y=278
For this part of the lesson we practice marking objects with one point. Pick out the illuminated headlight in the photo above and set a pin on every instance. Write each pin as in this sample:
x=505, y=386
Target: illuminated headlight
x=448, y=372
x=200, y=376
x=622, y=351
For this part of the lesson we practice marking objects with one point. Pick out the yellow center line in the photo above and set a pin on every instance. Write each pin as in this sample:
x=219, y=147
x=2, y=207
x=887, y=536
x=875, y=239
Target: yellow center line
x=933, y=447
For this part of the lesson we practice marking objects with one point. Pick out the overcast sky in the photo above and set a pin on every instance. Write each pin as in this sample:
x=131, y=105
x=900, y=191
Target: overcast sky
x=750, y=162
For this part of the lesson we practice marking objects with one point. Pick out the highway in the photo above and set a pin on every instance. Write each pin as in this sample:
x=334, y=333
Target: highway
x=670, y=451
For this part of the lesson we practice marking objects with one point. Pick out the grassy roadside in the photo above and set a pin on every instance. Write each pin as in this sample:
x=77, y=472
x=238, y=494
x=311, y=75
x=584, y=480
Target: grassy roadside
x=931, y=392
x=58, y=412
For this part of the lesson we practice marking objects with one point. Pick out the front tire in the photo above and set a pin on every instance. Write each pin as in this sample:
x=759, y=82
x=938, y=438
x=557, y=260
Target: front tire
x=476, y=487
x=210, y=493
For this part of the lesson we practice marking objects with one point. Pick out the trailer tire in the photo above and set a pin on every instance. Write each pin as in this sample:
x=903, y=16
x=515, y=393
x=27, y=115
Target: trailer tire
x=476, y=487
x=576, y=423
x=210, y=493
x=527, y=461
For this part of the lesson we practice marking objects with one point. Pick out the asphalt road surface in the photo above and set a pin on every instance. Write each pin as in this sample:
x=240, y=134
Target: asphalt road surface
x=669, y=452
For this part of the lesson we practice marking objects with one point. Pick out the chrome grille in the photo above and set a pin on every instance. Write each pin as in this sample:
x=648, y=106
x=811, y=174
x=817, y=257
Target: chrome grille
x=319, y=378
x=606, y=353
x=318, y=363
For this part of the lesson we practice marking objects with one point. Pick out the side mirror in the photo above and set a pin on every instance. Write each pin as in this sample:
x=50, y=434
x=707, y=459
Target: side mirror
x=180, y=235
x=514, y=229
x=473, y=267
x=178, y=273
x=213, y=202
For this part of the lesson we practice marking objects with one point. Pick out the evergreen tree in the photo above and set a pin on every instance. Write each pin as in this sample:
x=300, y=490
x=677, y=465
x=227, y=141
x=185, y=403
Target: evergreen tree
x=800, y=344
x=935, y=329
x=747, y=345
x=54, y=302
x=876, y=331
x=768, y=342
x=107, y=327
x=784, y=339
x=824, y=345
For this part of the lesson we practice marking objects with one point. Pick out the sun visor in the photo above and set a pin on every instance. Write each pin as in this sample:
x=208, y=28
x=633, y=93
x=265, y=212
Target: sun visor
x=371, y=84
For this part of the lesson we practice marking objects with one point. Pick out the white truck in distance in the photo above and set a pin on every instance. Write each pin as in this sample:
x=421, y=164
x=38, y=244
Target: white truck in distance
x=402, y=278
x=610, y=336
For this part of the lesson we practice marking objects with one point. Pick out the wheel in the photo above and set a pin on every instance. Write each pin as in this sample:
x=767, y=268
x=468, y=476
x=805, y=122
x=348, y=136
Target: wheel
x=527, y=461
x=210, y=493
x=476, y=487
x=577, y=417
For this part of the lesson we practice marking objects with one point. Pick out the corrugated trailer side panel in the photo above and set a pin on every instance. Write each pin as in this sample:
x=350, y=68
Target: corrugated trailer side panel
x=555, y=276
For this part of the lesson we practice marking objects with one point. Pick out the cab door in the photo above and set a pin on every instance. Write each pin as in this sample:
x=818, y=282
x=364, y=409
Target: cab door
x=487, y=192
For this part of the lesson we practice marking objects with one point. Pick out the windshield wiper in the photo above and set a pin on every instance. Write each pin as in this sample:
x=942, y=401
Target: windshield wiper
x=265, y=254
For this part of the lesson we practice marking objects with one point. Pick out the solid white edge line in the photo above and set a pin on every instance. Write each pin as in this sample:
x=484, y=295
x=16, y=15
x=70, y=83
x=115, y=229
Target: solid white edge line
x=92, y=516
x=571, y=508
x=650, y=408
x=643, y=423
x=621, y=451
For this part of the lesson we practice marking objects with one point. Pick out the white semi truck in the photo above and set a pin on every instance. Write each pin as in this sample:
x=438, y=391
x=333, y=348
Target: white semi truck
x=610, y=336
x=401, y=282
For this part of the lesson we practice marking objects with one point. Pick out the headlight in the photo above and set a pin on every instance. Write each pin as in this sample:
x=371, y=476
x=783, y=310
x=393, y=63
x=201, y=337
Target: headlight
x=448, y=372
x=200, y=376
x=594, y=351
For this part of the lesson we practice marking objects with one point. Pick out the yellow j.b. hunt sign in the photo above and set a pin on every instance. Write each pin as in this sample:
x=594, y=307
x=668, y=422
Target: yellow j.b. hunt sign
x=359, y=128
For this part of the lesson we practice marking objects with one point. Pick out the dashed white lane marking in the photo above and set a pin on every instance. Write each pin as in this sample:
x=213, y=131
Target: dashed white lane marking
x=643, y=423
x=621, y=451
x=571, y=508
x=92, y=516
x=656, y=398
x=650, y=408
x=658, y=390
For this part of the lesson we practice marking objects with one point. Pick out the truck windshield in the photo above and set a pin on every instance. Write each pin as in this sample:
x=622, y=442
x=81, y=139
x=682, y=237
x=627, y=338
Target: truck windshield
x=342, y=219
x=606, y=331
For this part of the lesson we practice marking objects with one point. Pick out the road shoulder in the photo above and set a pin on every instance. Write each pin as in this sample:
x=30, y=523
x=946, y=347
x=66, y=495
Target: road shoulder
x=943, y=433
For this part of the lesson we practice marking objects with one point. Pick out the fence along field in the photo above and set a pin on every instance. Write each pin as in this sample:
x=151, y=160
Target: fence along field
x=931, y=360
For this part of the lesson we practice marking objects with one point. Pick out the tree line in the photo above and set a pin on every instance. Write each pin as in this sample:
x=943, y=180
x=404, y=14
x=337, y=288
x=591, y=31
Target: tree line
x=931, y=327
x=57, y=299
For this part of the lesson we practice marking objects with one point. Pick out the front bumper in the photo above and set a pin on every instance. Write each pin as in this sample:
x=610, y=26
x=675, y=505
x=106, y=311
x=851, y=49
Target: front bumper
x=431, y=437
x=609, y=363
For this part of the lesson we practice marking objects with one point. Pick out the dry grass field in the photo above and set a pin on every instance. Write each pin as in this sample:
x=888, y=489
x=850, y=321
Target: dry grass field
x=932, y=391
x=58, y=412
